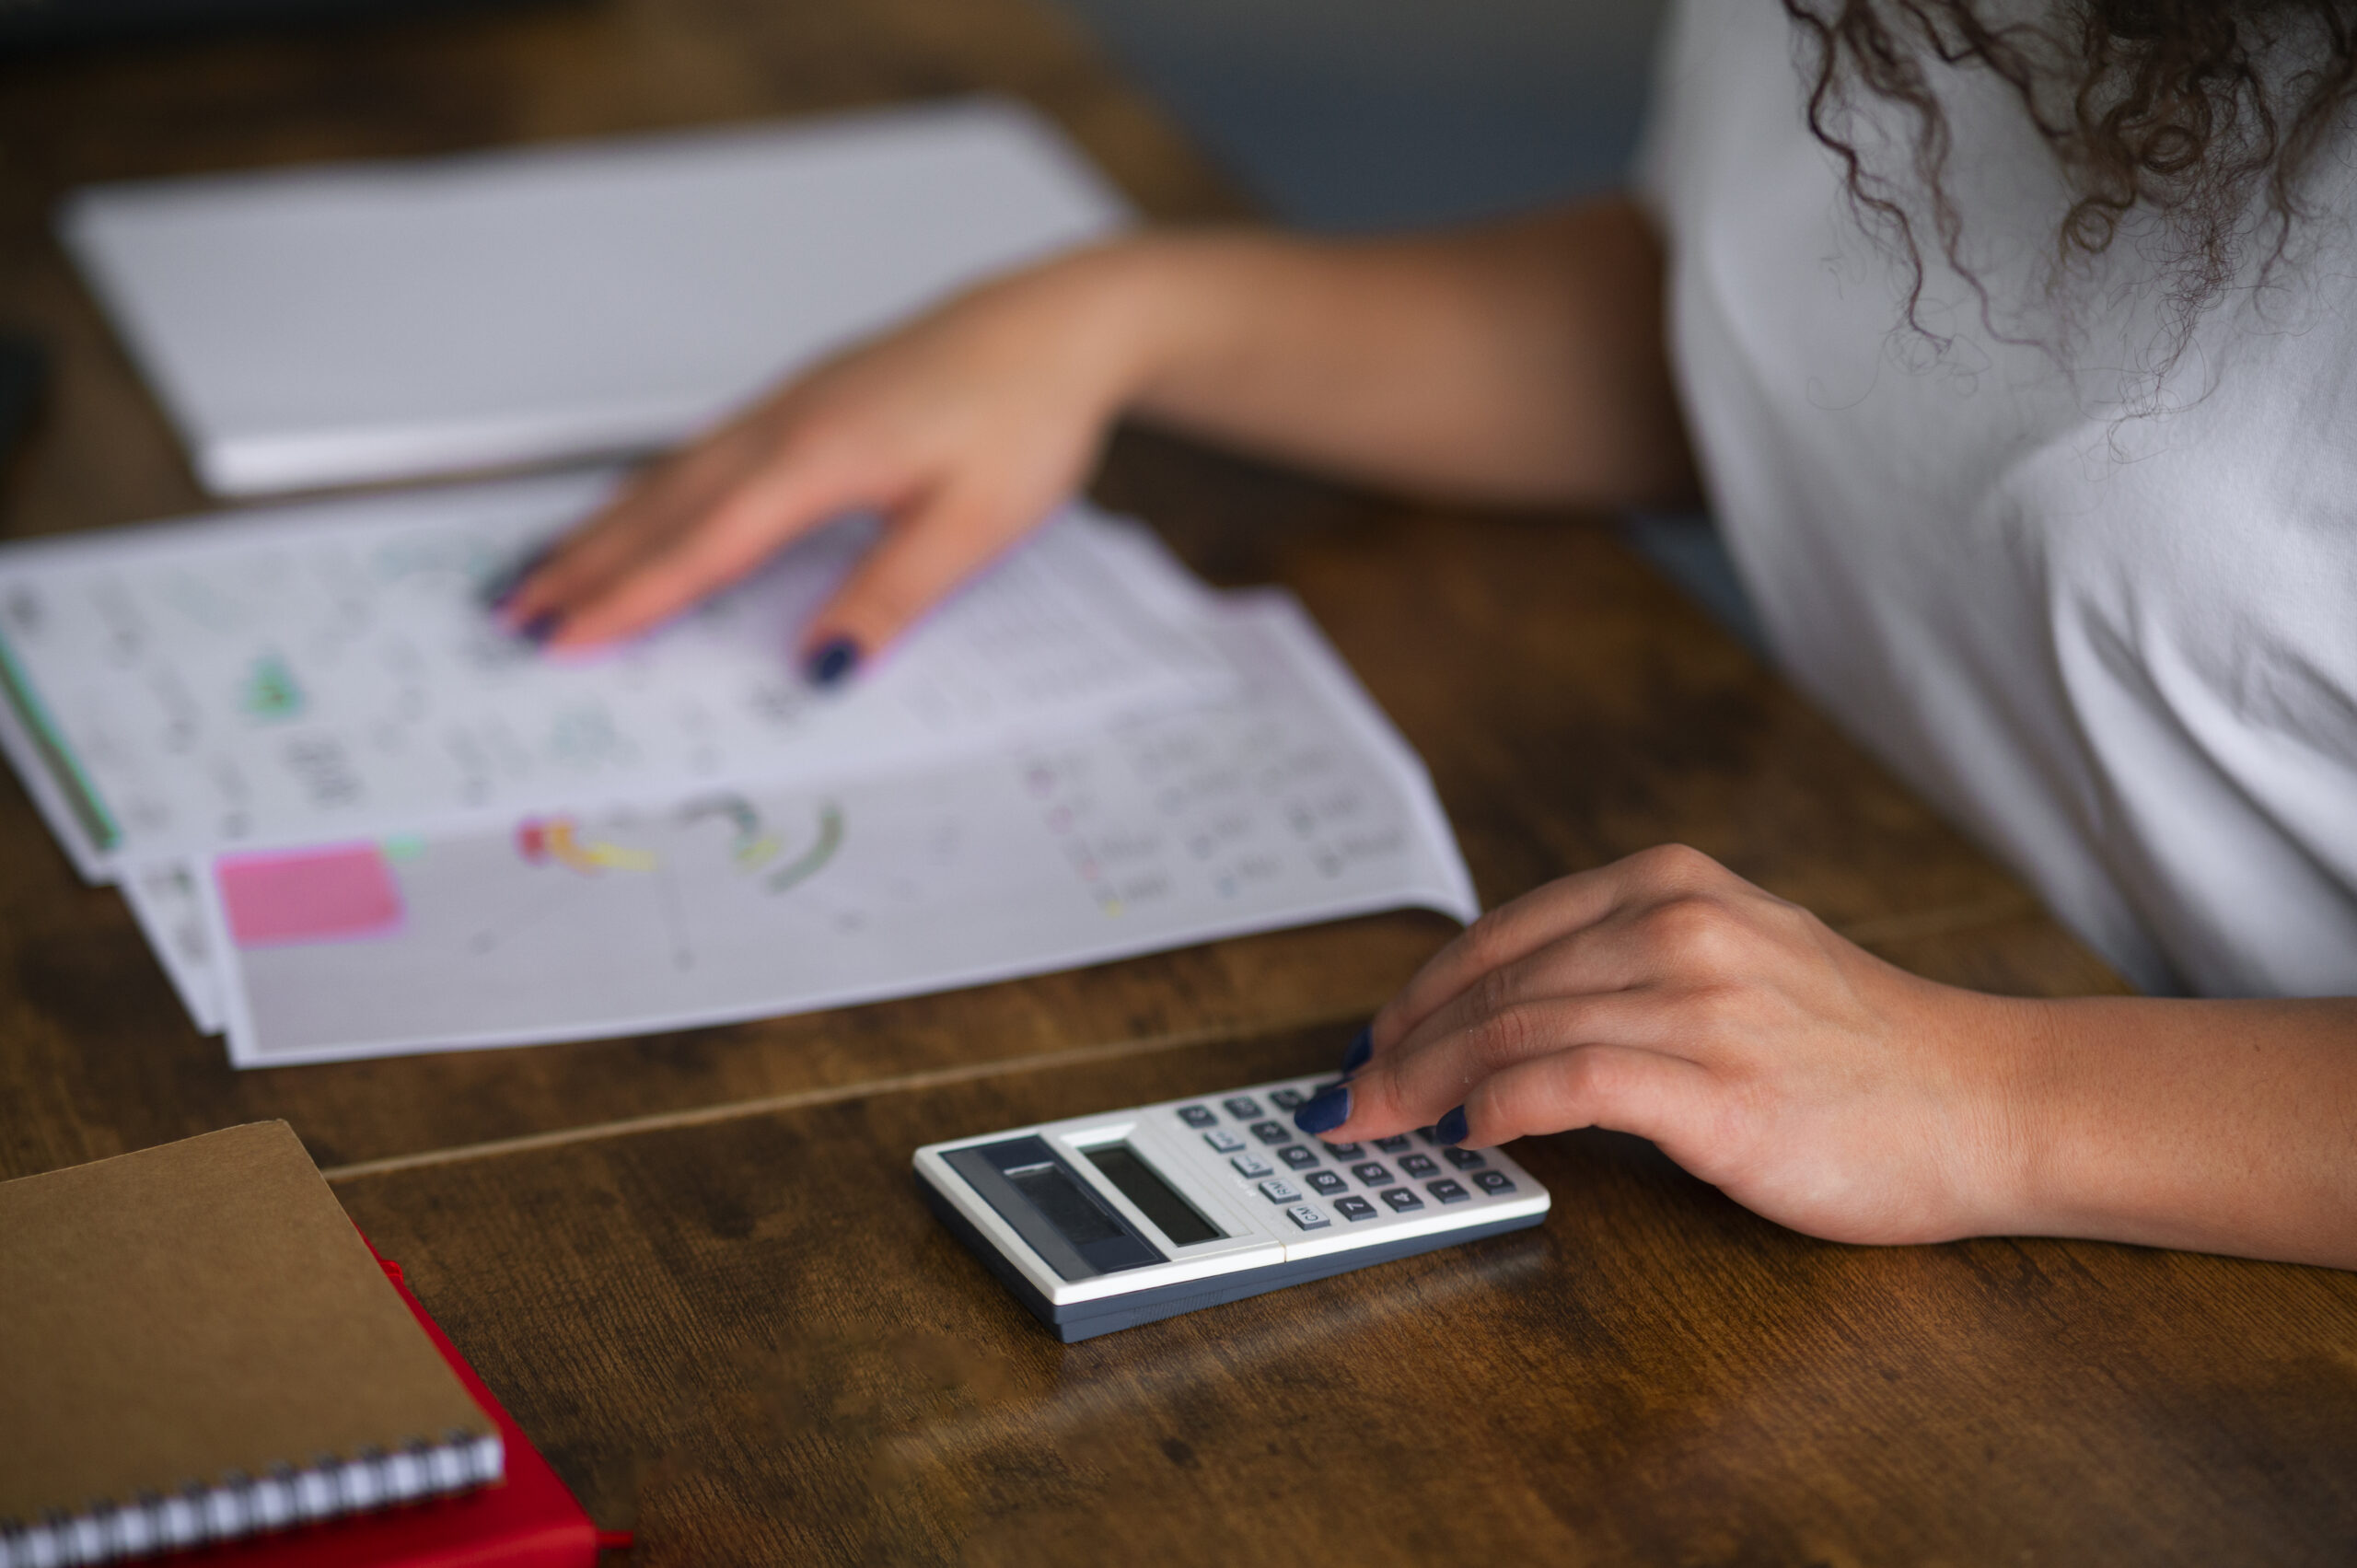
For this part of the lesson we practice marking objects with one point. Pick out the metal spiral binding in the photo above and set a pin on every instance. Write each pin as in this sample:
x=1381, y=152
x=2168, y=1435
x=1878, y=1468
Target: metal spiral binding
x=237, y=1504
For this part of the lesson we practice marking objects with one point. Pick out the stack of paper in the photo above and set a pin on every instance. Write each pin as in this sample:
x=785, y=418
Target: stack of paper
x=354, y=817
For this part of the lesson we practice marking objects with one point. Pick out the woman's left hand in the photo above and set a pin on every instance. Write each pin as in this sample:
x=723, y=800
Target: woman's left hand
x=1664, y=996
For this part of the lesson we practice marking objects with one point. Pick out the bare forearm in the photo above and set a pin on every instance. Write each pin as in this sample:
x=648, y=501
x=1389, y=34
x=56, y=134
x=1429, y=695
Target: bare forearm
x=2217, y=1126
x=1522, y=361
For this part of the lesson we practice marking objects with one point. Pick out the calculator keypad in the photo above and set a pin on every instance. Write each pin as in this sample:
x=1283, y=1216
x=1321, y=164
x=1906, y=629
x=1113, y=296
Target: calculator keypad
x=1333, y=1187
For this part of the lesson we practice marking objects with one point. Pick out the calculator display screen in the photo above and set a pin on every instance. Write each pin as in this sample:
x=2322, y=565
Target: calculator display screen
x=1062, y=1203
x=1141, y=1185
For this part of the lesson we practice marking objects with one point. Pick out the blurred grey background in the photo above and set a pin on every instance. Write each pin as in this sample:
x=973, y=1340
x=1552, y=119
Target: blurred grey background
x=1347, y=115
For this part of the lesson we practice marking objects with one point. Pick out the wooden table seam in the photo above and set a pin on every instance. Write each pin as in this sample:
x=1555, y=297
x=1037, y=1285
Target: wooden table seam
x=1898, y=927
x=829, y=1093
x=1927, y=923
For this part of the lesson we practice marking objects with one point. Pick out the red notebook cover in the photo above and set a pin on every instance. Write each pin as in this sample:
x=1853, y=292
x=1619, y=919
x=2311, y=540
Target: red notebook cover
x=529, y=1520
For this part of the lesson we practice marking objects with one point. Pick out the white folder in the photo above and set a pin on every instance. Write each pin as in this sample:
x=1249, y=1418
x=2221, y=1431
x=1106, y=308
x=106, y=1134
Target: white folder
x=352, y=323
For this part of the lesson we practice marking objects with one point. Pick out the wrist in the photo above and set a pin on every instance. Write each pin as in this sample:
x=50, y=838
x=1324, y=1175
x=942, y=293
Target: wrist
x=1112, y=311
x=2011, y=1063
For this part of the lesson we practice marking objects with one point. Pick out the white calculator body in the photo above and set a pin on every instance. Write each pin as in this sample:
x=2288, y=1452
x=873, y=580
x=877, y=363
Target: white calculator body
x=1104, y=1222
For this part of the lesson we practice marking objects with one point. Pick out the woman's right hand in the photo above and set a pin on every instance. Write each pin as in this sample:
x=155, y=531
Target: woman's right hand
x=964, y=429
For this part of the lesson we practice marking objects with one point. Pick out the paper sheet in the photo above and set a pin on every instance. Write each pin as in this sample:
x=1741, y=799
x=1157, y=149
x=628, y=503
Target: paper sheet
x=171, y=912
x=303, y=673
x=1291, y=802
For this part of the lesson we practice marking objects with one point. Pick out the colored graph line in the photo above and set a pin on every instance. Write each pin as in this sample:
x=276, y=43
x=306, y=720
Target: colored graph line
x=556, y=839
x=753, y=848
x=81, y=795
x=806, y=864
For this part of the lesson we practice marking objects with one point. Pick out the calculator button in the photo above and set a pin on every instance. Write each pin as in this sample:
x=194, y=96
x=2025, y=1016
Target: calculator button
x=1494, y=1181
x=1464, y=1159
x=1400, y=1199
x=1429, y=1136
x=1223, y=1140
x=1392, y=1145
x=1374, y=1173
x=1253, y=1167
x=1306, y=1216
x=1297, y=1155
x=1419, y=1166
x=1198, y=1116
x=1354, y=1208
x=1272, y=1131
x=1286, y=1099
x=1448, y=1189
x=1280, y=1192
x=1326, y=1183
x=1344, y=1151
x=1244, y=1108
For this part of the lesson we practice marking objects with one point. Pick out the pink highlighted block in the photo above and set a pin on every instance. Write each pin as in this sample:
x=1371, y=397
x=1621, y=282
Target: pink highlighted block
x=312, y=895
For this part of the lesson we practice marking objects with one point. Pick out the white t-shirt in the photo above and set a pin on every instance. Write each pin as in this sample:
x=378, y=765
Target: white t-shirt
x=2119, y=648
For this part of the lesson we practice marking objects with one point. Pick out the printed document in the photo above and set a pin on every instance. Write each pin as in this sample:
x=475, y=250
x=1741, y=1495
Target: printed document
x=298, y=673
x=1291, y=802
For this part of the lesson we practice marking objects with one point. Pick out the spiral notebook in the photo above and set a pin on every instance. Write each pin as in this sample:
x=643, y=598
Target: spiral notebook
x=200, y=1347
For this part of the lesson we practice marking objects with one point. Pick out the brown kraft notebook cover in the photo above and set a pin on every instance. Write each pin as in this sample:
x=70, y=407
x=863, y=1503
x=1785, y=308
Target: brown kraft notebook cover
x=199, y=1310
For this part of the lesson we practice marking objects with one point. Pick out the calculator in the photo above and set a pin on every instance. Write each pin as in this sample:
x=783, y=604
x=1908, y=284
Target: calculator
x=1104, y=1221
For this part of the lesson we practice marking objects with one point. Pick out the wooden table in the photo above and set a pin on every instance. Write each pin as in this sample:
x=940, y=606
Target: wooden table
x=694, y=1265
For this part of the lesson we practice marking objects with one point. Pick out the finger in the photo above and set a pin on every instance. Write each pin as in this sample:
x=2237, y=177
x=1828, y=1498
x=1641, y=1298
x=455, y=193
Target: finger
x=1416, y=1087
x=657, y=502
x=731, y=536
x=925, y=553
x=1666, y=1098
x=1513, y=931
x=1491, y=1014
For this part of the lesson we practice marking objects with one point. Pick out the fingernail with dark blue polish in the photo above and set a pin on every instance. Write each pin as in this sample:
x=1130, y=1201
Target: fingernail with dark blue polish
x=1450, y=1129
x=541, y=628
x=1361, y=1050
x=1326, y=1112
x=832, y=660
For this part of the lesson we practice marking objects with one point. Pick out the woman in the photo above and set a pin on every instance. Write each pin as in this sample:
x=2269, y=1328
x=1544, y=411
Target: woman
x=2013, y=350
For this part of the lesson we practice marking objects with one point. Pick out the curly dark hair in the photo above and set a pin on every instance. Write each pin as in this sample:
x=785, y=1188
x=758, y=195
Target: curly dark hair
x=2204, y=114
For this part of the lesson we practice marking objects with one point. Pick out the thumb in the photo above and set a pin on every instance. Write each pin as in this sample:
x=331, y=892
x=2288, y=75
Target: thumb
x=925, y=552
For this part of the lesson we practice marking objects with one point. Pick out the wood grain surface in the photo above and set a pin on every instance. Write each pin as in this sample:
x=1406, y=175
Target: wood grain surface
x=751, y=1339
x=695, y=1266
